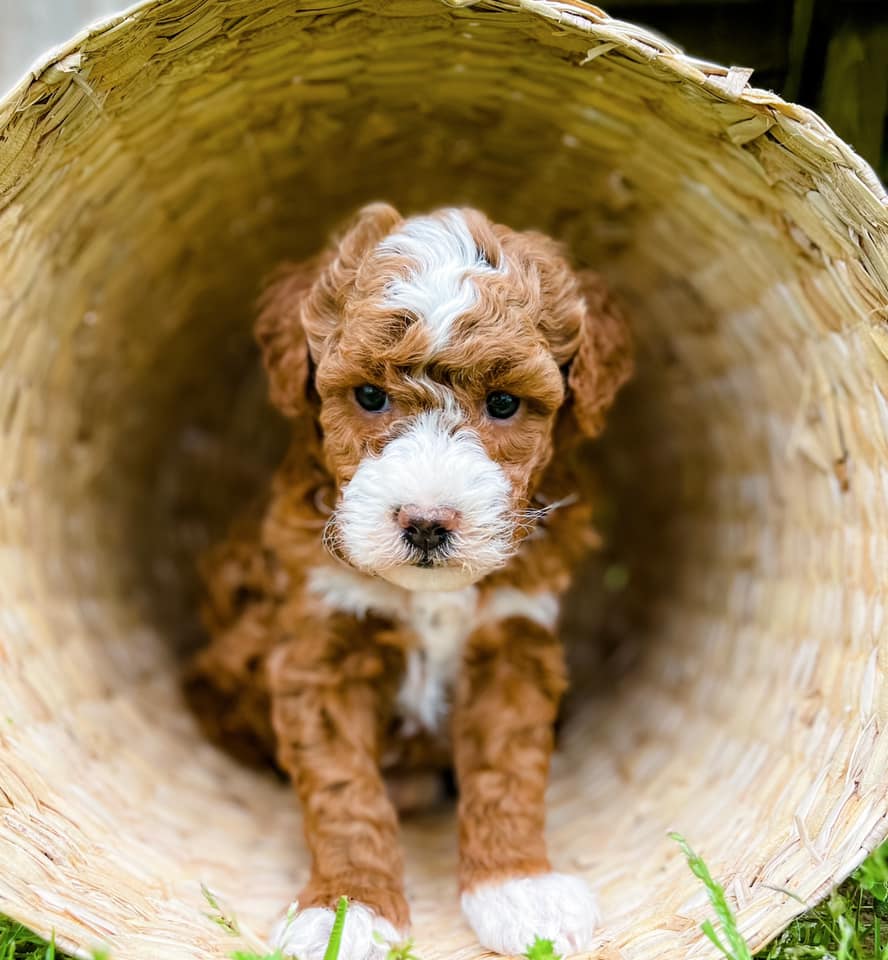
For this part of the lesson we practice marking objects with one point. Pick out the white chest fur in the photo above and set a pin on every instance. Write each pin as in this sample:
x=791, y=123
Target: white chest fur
x=441, y=622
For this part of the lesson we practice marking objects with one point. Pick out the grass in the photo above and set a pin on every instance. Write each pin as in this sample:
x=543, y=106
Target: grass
x=852, y=924
x=17, y=943
x=734, y=947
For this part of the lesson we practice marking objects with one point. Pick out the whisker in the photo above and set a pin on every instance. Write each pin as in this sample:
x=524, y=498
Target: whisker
x=534, y=515
x=331, y=541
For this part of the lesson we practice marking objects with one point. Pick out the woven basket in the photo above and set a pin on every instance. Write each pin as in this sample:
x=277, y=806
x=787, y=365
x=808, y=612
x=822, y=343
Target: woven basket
x=157, y=167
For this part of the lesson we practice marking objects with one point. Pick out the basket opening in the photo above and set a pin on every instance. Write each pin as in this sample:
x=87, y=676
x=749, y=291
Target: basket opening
x=180, y=418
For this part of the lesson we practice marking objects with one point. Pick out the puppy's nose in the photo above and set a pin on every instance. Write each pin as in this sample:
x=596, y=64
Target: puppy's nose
x=427, y=529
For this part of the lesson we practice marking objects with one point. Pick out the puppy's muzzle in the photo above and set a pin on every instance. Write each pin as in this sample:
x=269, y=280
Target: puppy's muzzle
x=430, y=511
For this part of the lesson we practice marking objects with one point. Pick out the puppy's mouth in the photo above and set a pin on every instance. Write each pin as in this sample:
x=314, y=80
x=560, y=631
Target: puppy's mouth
x=427, y=574
x=431, y=561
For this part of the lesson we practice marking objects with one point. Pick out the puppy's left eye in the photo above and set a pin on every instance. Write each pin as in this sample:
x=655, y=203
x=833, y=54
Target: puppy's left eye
x=371, y=398
x=501, y=405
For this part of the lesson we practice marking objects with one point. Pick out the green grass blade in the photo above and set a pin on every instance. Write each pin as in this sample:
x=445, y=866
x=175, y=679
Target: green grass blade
x=709, y=930
x=335, y=943
x=737, y=948
x=541, y=949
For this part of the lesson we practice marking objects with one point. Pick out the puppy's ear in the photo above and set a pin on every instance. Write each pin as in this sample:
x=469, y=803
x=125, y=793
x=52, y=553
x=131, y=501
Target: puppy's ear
x=338, y=269
x=363, y=232
x=604, y=359
x=299, y=308
x=281, y=337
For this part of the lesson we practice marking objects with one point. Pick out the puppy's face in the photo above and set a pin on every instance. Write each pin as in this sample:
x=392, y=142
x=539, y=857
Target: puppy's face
x=439, y=346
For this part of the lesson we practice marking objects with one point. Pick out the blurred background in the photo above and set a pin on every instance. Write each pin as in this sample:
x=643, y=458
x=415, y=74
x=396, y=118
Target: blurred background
x=831, y=55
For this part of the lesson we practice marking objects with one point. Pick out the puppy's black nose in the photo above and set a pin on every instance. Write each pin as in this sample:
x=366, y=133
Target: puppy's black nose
x=425, y=535
x=427, y=530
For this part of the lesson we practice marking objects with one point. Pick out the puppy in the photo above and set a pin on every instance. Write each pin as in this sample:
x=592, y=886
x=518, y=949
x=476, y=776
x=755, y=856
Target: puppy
x=396, y=607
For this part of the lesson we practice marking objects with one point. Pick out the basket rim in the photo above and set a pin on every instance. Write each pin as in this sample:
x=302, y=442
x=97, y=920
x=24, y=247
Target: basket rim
x=719, y=82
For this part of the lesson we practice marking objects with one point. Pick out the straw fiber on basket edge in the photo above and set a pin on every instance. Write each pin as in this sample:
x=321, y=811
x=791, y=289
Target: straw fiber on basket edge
x=157, y=167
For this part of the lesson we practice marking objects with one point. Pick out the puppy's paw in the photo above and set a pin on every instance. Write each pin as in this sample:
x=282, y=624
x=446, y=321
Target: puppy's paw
x=306, y=933
x=507, y=917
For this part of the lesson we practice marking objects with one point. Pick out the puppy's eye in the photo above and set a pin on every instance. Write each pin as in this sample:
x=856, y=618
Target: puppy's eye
x=371, y=398
x=501, y=405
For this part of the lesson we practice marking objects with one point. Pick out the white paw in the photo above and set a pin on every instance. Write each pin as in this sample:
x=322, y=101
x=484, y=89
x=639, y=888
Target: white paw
x=306, y=933
x=507, y=917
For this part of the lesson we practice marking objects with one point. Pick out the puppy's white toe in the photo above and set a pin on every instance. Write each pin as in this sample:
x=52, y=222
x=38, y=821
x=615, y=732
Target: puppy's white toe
x=306, y=933
x=507, y=917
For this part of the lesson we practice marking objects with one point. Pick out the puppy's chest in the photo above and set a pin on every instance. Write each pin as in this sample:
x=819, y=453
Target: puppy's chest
x=440, y=624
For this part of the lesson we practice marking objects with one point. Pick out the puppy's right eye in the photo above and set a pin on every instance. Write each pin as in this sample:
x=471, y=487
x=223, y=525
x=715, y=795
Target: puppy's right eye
x=371, y=398
x=502, y=405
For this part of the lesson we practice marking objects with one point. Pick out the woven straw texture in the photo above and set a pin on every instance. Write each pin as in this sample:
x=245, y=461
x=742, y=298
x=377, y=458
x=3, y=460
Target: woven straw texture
x=158, y=167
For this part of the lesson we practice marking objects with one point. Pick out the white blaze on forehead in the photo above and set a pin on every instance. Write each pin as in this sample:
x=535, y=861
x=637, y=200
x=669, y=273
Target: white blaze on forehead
x=445, y=258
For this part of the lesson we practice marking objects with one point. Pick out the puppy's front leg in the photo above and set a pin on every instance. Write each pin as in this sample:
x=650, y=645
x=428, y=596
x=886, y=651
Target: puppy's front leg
x=331, y=687
x=507, y=698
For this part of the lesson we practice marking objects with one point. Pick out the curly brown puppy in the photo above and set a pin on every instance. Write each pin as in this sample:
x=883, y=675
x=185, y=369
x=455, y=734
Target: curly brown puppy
x=398, y=605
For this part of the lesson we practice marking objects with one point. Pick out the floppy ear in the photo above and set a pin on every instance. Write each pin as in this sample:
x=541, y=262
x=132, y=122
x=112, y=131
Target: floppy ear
x=338, y=268
x=362, y=233
x=281, y=337
x=604, y=359
x=301, y=303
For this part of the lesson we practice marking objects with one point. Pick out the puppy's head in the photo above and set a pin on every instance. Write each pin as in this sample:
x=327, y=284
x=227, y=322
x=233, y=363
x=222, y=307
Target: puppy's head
x=437, y=353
